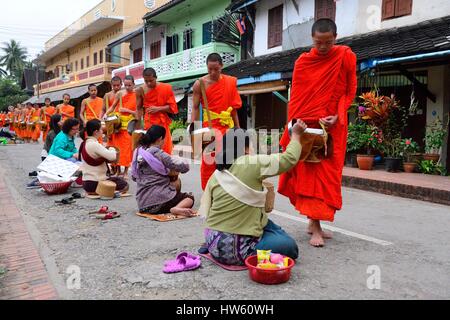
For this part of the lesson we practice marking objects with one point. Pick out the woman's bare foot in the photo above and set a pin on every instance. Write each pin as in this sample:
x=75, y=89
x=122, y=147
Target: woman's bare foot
x=182, y=212
x=325, y=234
x=316, y=231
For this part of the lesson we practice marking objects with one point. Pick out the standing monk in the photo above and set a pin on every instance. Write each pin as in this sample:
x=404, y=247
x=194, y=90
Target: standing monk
x=92, y=107
x=155, y=101
x=46, y=113
x=323, y=88
x=125, y=108
x=223, y=102
x=35, y=117
x=65, y=109
x=110, y=98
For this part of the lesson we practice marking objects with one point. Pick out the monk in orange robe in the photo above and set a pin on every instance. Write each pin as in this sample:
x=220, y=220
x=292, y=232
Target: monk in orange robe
x=46, y=113
x=125, y=108
x=323, y=88
x=92, y=107
x=28, y=112
x=11, y=116
x=108, y=101
x=65, y=109
x=35, y=117
x=155, y=101
x=223, y=102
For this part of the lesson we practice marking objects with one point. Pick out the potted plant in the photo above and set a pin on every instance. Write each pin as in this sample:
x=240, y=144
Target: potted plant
x=432, y=167
x=354, y=143
x=434, y=138
x=371, y=140
x=409, y=150
x=392, y=152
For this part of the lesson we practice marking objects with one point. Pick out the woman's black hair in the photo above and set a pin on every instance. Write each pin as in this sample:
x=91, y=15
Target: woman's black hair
x=91, y=126
x=54, y=120
x=69, y=124
x=153, y=134
x=234, y=143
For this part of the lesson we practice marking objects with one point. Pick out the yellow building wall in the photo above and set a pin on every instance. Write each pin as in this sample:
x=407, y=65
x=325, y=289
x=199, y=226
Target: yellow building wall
x=131, y=10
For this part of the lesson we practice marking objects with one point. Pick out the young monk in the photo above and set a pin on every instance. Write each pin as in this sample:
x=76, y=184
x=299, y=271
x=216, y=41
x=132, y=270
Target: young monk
x=125, y=107
x=110, y=98
x=28, y=113
x=47, y=111
x=323, y=88
x=223, y=102
x=92, y=107
x=155, y=100
x=65, y=109
x=35, y=117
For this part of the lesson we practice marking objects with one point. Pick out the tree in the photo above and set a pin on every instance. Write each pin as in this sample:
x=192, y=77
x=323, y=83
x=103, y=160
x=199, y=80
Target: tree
x=3, y=73
x=10, y=94
x=14, y=58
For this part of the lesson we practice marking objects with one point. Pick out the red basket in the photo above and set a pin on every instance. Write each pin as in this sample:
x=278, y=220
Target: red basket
x=56, y=187
x=268, y=276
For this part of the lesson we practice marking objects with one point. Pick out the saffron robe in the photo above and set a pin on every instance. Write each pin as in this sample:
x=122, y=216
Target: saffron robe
x=321, y=86
x=46, y=115
x=122, y=139
x=35, y=117
x=67, y=109
x=161, y=95
x=221, y=95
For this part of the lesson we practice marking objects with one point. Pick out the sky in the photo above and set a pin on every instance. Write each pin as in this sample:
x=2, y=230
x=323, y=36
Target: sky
x=33, y=22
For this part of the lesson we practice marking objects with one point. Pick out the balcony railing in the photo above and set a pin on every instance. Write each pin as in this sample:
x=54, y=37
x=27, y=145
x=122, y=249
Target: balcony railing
x=98, y=73
x=192, y=62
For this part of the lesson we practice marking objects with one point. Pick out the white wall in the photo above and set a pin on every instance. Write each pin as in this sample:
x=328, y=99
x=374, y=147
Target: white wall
x=152, y=36
x=262, y=26
x=135, y=43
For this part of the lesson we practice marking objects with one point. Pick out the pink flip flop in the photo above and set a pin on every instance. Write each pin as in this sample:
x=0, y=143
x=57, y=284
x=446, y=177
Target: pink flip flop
x=183, y=264
x=182, y=254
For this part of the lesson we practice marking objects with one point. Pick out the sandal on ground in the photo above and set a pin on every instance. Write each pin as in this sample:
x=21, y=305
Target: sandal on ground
x=108, y=216
x=102, y=210
x=66, y=201
x=77, y=195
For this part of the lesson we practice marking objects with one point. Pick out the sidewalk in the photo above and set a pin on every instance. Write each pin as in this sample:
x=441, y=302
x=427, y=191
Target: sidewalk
x=26, y=277
x=407, y=185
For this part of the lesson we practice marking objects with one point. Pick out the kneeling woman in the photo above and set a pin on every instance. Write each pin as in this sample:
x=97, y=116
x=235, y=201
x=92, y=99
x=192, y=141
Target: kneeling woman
x=95, y=158
x=233, y=203
x=150, y=169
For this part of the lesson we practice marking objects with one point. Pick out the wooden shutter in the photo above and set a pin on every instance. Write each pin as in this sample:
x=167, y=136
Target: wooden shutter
x=275, y=31
x=155, y=50
x=325, y=9
x=388, y=10
x=95, y=58
x=403, y=7
x=101, y=56
x=137, y=55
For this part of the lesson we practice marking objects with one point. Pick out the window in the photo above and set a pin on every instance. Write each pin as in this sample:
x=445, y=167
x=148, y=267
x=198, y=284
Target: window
x=95, y=58
x=101, y=56
x=137, y=55
x=275, y=32
x=396, y=8
x=172, y=44
x=57, y=72
x=187, y=39
x=87, y=62
x=81, y=64
x=71, y=67
x=325, y=9
x=155, y=50
x=76, y=65
x=114, y=55
x=207, y=32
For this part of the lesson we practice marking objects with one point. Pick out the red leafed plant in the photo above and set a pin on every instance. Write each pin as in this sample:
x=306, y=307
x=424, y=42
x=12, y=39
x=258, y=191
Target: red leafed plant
x=376, y=108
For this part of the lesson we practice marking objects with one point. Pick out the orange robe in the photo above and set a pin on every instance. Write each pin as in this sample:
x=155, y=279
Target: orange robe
x=93, y=110
x=48, y=112
x=2, y=119
x=161, y=95
x=221, y=95
x=11, y=120
x=35, y=117
x=109, y=102
x=67, y=109
x=28, y=114
x=321, y=86
x=122, y=139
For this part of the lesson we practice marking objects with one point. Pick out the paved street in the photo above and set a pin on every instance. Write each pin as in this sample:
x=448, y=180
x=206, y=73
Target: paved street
x=123, y=258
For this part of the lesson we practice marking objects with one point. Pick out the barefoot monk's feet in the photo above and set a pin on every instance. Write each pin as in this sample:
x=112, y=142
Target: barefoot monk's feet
x=317, y=238
x=182, y=212
x=325, y=234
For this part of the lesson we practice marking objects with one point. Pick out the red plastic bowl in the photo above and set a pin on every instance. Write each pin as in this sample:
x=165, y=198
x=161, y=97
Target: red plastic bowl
x=268, y=276
x=56, y=187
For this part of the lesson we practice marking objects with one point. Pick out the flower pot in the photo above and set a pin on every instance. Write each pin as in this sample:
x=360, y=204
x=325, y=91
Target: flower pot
x=393, y=164
x=432, y=156
x=409, y=167
x=365, y=162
